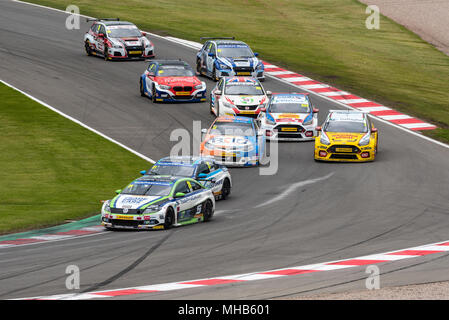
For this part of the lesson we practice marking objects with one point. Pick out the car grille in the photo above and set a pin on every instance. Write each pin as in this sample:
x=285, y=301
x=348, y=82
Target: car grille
x=130, y=211
x=125, y=223
x=180, y=88
x=243, y=69
x=333, y=148
x=290, y=135
x=135, y=48
x=343, y=156
x=289, y=128
x=249, y=108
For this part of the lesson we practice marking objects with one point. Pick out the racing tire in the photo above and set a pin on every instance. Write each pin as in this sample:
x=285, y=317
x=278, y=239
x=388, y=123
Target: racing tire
x=153, y=95
x=106, y=54
x=169, y=218
x=87, y=48
x=208, y=213
x=142, y=92
x=198, y=68
x=226, y=189
x=214, y=75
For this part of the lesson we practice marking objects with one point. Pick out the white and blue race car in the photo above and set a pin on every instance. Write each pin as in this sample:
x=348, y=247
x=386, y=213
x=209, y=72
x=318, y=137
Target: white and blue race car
x=227, y=58
x=203, y=169
x=158, y=202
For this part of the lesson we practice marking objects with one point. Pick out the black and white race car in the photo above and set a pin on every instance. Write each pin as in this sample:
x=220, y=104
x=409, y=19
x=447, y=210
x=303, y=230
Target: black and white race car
x=117, y=40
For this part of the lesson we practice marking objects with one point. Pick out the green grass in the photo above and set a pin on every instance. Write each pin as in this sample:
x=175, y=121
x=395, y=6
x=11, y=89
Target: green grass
x=53, y=169
x=326, y=40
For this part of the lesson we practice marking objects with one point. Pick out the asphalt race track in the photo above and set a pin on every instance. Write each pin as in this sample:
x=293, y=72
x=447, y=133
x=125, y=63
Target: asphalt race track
x=398, y=201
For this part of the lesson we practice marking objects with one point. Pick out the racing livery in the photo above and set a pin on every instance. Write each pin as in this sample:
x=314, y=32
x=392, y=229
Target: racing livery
x=234, y=141
x=227, y=57
x=289, y=117
x=171, y=80
x=204, y=170
x=117, y=40
x=158, y=202
x=238, y=96
x=346, y=135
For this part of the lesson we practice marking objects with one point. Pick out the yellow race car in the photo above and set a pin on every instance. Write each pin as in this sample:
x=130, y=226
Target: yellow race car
x=346, y=136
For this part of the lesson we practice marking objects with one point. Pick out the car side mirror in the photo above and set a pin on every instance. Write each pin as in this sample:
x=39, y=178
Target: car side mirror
x=203, y=130
x=101, y=35
x=217, y=92
x=316, y=110
x=374, y=130
x=179, y=194
x=143, y=172
x=263, y=109
x=269, y=93
x=318, y=128
x=118, y=191
x=211, y=54
x=256, y=54
x=143, y=33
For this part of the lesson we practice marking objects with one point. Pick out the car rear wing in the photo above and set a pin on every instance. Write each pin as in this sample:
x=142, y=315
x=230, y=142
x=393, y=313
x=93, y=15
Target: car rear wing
x=102, y=19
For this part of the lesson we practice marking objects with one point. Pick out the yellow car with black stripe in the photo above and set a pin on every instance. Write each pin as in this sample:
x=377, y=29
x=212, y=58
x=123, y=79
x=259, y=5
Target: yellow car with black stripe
x=346, y=136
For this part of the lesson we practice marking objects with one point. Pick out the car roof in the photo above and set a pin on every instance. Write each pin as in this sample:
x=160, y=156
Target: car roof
x=347, y=115
x=184, y=160
x=290, y=95
x=116, y=23
x=241, y=79
x=160, y=179
x=234, y=119
x=170, y=62
x=230, y=42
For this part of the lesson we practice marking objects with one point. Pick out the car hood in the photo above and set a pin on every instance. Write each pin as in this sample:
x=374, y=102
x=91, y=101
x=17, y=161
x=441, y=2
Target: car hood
x=132, y=202
x=178, y=81
x=289, y=117
x=344, y=137
x=239, y=62
x=246, y=100
x=227, y=141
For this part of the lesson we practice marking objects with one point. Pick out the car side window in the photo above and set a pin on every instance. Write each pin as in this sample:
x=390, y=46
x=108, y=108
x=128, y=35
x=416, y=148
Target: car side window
x=213, y=50
x=195, y=186
x=182, y=187
x=152, y=68
x=94, y=28
x=205, y=46
x=203, y=168
x=102, y=30
x=220, y=85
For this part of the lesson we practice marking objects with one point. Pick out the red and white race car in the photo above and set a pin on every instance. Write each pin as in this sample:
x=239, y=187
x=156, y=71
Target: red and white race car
x=171, y=80
x=114, y=40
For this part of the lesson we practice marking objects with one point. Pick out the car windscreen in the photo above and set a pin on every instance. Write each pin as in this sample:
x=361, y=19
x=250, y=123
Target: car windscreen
x=123, y=31
x=346, y=126
x=175, y=71
x=243, y=89
x=173, y=170
x=234, y=51
x=148, y=189
x=232, y=129
x=289, y=104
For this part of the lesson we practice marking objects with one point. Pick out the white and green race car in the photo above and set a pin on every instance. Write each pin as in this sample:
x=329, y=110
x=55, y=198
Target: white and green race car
x=158, y=202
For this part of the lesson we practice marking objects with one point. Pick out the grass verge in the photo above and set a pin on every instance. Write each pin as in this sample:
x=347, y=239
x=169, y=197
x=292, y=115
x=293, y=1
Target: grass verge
x=54, y=170
x=326, y=40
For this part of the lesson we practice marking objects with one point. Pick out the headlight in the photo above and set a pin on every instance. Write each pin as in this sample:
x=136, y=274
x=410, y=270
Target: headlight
x=324, y=139
x=106, y=208
x=365, y=140
x=223, y=66
x=152, y=208
x=308, y=120
x=163, y=87
x=270, y=120
x=200, y=86
x=209, y=145
x=228, y=105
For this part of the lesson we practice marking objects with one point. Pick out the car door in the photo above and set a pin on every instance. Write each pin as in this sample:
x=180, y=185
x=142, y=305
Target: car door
x=183, y=204
x=100, y=40
x=210, y=60
x=216, y=94
x=150, y=76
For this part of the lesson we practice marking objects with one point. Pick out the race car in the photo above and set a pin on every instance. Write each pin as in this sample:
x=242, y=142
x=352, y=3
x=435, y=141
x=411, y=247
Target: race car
x=171, y=80
x=204, y=170
x=234, y=141
x=158, y=202
x=346, y=135
x=226, y=57
x=238, y=96
x=117, y=40
x=289, y=117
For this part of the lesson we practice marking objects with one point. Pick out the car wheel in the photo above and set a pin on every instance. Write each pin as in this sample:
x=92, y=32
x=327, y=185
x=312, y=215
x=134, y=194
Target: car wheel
x=198, y=67
x=169, y=218
x=106, y=54
x=87, y=48
x=226, y=189
x=142, y=92
x=214, y=75
x=153, y=95
x=207, y=212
